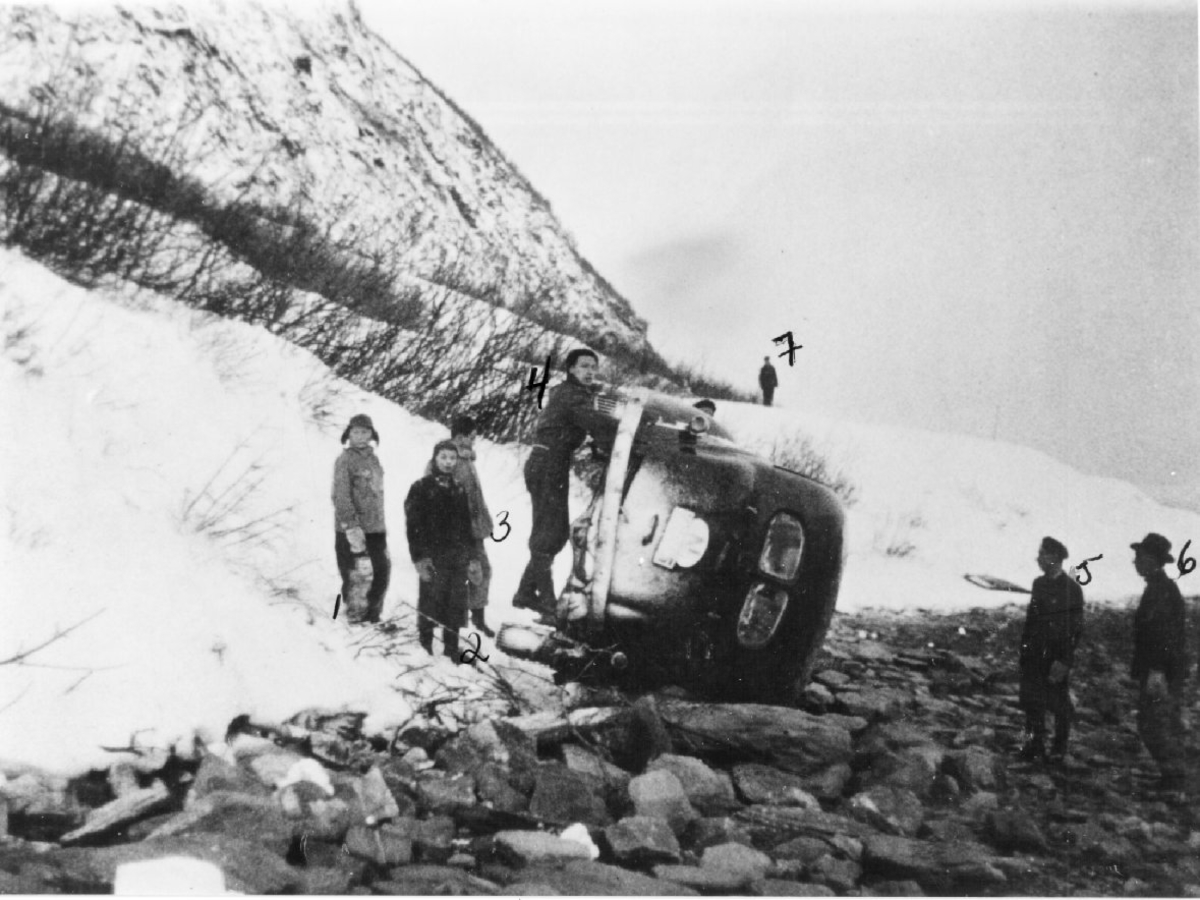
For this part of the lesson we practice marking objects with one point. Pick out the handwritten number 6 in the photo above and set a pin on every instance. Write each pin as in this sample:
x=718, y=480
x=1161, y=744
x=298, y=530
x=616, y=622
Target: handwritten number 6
x=1186, y=563
x=507, y=527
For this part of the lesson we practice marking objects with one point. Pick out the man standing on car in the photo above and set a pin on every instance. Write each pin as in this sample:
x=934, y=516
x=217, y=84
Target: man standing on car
x=1160, y=661
x=768, y=381
x=568, y=417
x=1053, y=623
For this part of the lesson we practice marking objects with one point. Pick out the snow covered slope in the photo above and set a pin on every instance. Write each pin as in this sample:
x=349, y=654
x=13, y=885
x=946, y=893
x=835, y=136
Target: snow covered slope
x=299, y=108
x=166, y=484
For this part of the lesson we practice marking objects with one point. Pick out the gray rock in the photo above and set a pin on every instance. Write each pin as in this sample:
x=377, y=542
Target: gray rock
x=849, y=847
x=426, y=880
x=122, y=811
x=829, y=783
x=271, y=764
x=774, y=887
x=589, y=878
x=832, y=678
x=893, y=889
x=215, y=774
x=525, y=848
x=771, y=825
x=438, y=793
x=1015, y=830
x=709, y=791
x=804, y=849
x=659, y=794
x=530, y=889
x=326, y=881
x=376, y=798
x=757, y=783
x=563, y=797
x=945, y=789
x=492, y=786
x=588, y=763
x=840, y=874
x=891, y=810
x=736, y=859
x=123, y=779
x=910, y=768
x=385, y=846
x=433, y=839
x=816, y=698
x=873, y=703
x=713, y=830
x=641, y=841
x=707, y=881
x=243, y=816
x=975, y=769
x=937, y=867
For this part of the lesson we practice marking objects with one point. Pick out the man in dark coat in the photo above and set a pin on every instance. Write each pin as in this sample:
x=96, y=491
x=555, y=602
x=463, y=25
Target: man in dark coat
x=440, y=540
x=568, y=417
x=1053, y=623
x=1160, y=661
x=768, y=381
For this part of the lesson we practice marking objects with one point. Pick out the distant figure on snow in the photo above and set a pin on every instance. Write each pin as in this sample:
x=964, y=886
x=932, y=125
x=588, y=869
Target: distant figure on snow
x=568, y=417
x=1160, y=661
x=441, y=544
x=462, y=434
x=1053, y=623
x=358, y=512
x=706, y=405
x=768, y=381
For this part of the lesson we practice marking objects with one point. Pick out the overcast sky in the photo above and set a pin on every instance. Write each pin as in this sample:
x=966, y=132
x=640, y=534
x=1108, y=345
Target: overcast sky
x=974, y=218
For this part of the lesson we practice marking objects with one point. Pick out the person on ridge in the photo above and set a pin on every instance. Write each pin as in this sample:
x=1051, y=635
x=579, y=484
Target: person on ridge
x=358, y=512
x=1160, y=661
x=568, y=417
x=1053, y=624
x=768, y=381
x=462, y=434
x=440, y=542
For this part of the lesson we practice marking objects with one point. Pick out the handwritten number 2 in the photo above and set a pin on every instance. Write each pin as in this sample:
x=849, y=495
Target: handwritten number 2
x=507, y=527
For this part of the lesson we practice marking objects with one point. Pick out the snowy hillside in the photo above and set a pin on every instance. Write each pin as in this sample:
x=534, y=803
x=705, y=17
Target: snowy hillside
x=298, y=109
x=167, y=482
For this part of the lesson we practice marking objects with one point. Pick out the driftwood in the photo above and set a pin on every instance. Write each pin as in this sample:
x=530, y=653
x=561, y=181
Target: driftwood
x=788, y=739
x=551, y=727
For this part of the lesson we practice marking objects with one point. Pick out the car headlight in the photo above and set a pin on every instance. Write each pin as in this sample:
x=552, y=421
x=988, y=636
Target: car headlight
x=762, y=611
x=783, y=547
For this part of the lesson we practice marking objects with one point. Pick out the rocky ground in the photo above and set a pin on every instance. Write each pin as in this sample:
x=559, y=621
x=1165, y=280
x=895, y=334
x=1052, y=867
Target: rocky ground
x=897, y=776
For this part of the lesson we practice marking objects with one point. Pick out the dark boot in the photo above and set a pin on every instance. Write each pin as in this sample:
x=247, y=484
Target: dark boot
x=479, y=623
x=526, y=595
x=425, y=636
x=450, y=644
x=1035, y=748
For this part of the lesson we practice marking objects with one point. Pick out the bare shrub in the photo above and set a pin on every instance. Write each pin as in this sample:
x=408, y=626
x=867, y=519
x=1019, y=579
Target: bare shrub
x=797, y=453
x=220, y=508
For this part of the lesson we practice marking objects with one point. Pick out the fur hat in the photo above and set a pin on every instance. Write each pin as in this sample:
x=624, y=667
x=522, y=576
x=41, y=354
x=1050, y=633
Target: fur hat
x=1052, y=547
x=1157, y=546
x=360, y=421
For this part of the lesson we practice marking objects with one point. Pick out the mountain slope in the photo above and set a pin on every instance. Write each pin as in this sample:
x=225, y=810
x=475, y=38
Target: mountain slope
x=304, y=111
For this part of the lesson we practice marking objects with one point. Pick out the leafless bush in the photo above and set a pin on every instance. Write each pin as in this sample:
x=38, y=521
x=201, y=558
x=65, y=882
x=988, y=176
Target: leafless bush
x=896, y=537
x=219, y=509
x=797, y=453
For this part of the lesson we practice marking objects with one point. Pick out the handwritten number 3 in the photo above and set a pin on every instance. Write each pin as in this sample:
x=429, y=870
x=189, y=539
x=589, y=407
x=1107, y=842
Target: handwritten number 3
x=507, y=527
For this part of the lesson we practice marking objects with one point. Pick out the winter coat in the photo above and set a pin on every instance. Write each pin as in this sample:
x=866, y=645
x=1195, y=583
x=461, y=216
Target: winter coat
x=358, y=491
x=569, y=416
x=767, y=379
x=465, y=474
x=438, y=518
x=1053, y=623
x=1160, y=631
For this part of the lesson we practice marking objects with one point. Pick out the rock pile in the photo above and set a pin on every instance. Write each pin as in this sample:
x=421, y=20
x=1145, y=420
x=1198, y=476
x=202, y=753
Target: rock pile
x=895, y=778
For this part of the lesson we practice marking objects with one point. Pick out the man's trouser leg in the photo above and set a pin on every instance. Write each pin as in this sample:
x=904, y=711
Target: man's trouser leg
x=1059, y=703
x=1160, y=726
x=381, y=563
x=425, y=612
x=547, y=481
x=345, y=564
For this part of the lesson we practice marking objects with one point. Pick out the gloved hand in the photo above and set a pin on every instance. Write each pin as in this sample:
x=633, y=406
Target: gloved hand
x=475, y=572
x=1156, y=684
x=425, y=569
x=1058, y=672
x=358, y=540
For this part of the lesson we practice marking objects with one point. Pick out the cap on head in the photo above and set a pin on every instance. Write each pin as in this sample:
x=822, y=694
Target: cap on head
x=575, y=355
x=1054, y=548
x=360, y=421
x=1155, y=546
x=707, y=405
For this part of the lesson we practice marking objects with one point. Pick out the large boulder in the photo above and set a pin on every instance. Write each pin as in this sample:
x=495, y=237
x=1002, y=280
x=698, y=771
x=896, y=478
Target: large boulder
x=526, y=848
x=642, y=840
x=757, y=783
x=660, y=794
x=596, y=879
x=562, y=796
x=976, y=769
x=708, y=790
x=248, y=817
x=890, y=810
x=936, y=867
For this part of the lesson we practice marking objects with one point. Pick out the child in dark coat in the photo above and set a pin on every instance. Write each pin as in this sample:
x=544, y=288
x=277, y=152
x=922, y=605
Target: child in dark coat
x=440, y=541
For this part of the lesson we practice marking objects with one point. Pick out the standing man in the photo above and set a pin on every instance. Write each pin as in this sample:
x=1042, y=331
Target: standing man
x=768, y=381
x=1053, y=623
x=462, y=434
x=1160, y=661
x=358, y=515
x=569, y=416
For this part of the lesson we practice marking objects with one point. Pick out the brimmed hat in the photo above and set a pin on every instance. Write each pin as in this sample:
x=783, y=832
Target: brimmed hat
x=360, y=421
x=1053, y=548
x=1157, y=546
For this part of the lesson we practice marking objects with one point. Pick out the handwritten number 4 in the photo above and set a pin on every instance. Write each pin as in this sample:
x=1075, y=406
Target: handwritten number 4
x=540, y=386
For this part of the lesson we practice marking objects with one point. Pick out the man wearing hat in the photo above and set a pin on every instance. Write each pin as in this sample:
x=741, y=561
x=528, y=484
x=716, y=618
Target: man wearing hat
x=358, y=512
x=1053, y=623
x=1160, y=661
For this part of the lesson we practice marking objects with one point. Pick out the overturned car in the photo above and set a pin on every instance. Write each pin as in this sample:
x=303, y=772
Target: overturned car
x=697, y=562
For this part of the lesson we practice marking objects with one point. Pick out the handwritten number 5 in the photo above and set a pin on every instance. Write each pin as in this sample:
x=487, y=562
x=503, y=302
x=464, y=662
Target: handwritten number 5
x=507, y=527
